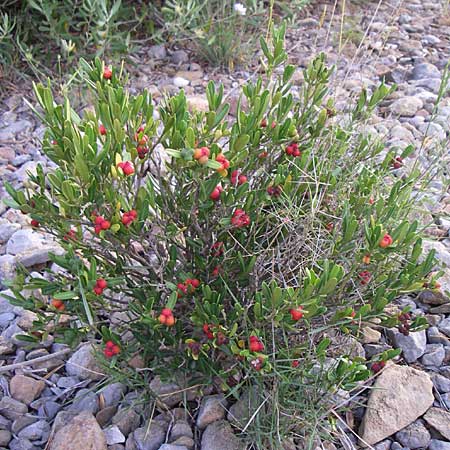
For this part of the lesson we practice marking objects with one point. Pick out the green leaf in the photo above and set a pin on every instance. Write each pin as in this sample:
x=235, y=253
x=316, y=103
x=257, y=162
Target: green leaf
x=241, y=142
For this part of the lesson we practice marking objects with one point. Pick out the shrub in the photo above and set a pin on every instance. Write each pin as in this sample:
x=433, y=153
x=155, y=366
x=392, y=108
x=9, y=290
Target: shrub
x=227, y=249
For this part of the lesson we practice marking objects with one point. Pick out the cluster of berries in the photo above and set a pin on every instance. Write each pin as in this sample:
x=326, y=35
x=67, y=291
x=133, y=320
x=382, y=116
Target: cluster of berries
x=397, y=162
x=225, y=164
x=127, y=167
x=100, y=286
x=215, y=194
x=201, y=155
x=58, y=304
x=188, y=287
x=293, y=150
x=404, y=323
x=274, y=191
x=141, y=140
x=129, y=217
x=166, y=317
x=365, y=277
x=102, y=130
x=255, y=344
x=70, y=235
x=240, y=219
x=377, y=366
x=296, y=313
x=386, y=241
x=217, y=249
x=111, y=349
x=101, y=224
x=237, y=179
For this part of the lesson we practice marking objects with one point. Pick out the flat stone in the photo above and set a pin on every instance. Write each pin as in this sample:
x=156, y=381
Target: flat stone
x=149, y=437
x=113, y=435
x=82, y=432
x=172, y=447
x=36, y=431
x=85, y=400
x=436, y=444
x=211, y=409
x=11, y=408
x=219, y=436
x=441, y=383
x=82, y=364
x=406, y=106
x=425, y=70
x=169, y=393
x=127, y=420
x=5, y=437
x=391, y=407
x=370, y=336
x=413, y=346
x=436, y=337
x=179, y=429
x=25, y=389
x=434, y=355
x=113, y=393
x=439, y=419
x=414, y=436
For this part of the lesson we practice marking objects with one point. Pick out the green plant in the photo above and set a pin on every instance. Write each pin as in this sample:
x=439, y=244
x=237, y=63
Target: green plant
x=227, y=250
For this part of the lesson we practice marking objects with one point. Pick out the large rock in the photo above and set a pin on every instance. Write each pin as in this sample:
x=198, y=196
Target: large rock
x=391, y=407
x=25, y=389
x=12, y=409
x=220, y=436
x=439, y=419
x=82, y=432
x=211, y=409
x=83, y=364
x=32, y=248
x=406, y=106
x=413, y=346
x=425, y=70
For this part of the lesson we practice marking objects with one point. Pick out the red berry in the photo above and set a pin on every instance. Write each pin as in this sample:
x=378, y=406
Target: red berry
x=215, y=194
x=106, y=224
x=166, y=312
x=296, y=314
x=34, y=223
x=116, y=349
x=101, y=283
x=195, y=283
x=263, y=123
x=99, y=220
x=108, y=353
x=109, y=344
x=386, y=241
x=102, y=130
x=295, y=363
x=107, y=73
x=98, y=290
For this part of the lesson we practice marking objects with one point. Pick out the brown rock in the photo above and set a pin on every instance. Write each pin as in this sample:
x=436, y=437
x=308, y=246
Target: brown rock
x=25, y=389
x=391, y=407
x=439, y=419
x=82, y=432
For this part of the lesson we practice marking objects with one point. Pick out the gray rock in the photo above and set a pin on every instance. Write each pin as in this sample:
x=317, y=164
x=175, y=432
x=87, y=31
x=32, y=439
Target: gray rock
x=149, y=437
x=36, y=431
x=172, y=447
x=413, y=346
x=444, y=326
x=179, y=429
x=441, y=383
x=406, y=106
x=22, y=444
x=67, y=382
x=184, y=441
x=5, y=437
x=157, y=51
x=22, y=422
x=12, y=409
x=414, y=436
x=49, y=409
x=85, y=400
x=436, y=444
x=434, y=355
x=7, y=229
x=82, y=364
x=425, y=70
x=127, y=420
x=211, y=409
x=439, y=419
x=113, y=393
x=383, y=445
x=436, y=337
x=31, y=248
x=6, y=319
x=219, y=436
x=169, y=393
x=179, y=57
x=113, y=435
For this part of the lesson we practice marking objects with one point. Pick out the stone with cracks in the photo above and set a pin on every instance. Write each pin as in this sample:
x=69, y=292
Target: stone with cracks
x=391, y=407
x=439, y=419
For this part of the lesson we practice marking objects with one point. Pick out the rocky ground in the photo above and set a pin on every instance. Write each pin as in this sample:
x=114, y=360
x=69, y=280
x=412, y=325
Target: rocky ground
x=52, y=397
